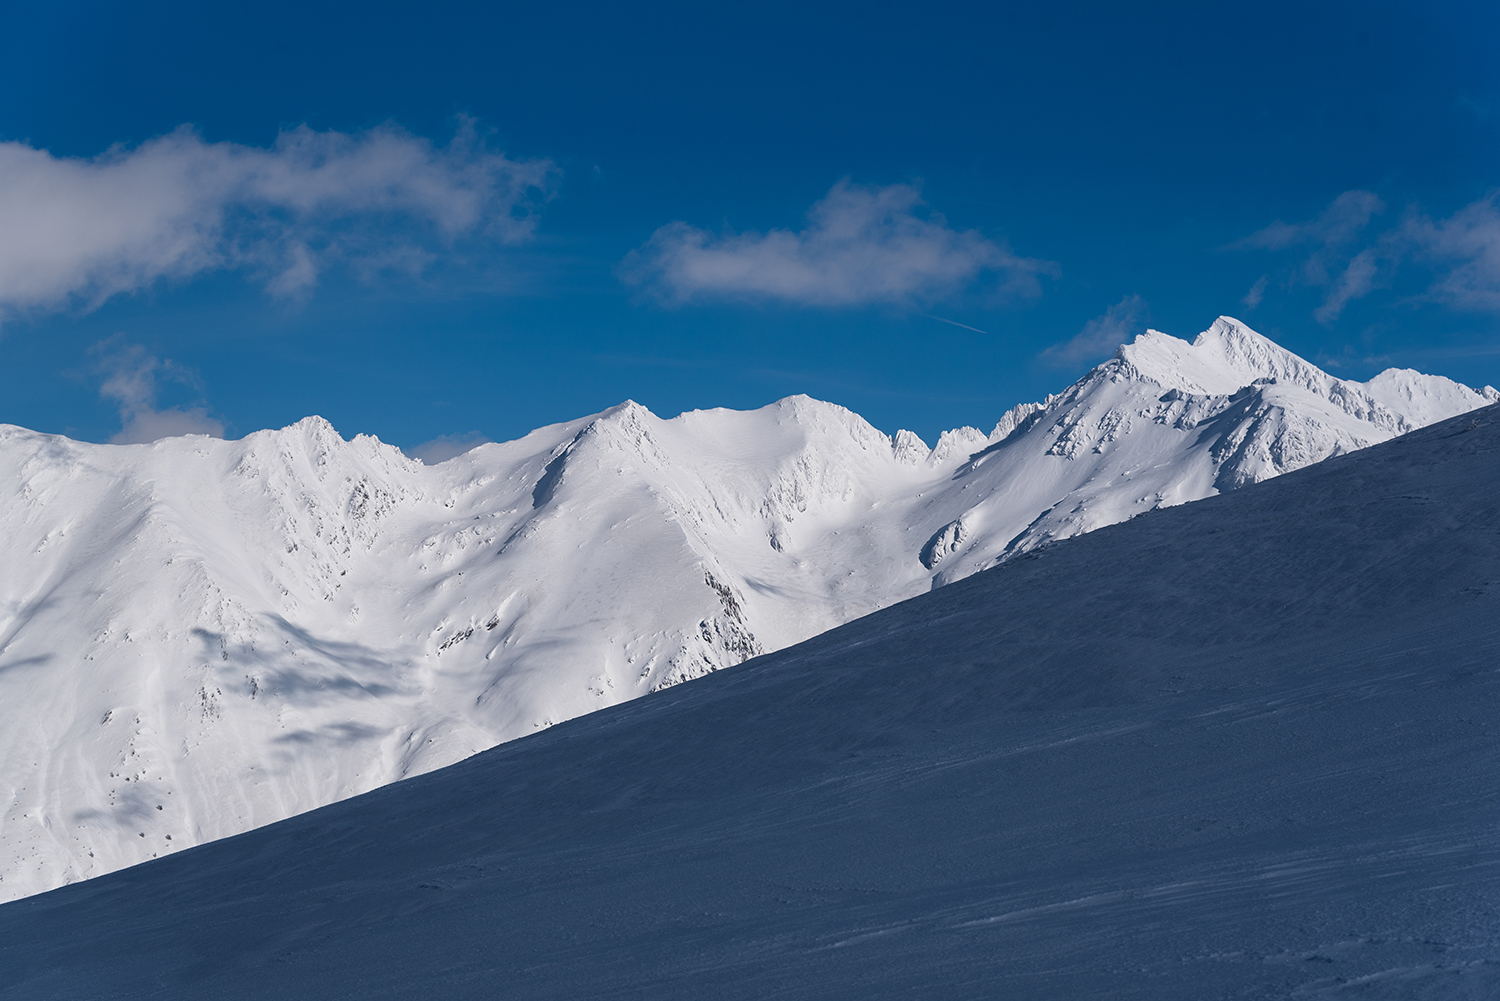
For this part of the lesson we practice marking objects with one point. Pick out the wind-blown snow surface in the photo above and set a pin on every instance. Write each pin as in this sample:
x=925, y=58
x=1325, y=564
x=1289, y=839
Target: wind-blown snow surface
x=198, y=637
x=1242, y=748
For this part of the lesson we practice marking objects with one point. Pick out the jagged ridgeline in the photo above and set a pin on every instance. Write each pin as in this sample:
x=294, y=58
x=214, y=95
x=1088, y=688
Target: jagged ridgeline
x=203, y=636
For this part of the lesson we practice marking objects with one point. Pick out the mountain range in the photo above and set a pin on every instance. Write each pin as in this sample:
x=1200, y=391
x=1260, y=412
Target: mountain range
x=1241, y=748
x=199, y=637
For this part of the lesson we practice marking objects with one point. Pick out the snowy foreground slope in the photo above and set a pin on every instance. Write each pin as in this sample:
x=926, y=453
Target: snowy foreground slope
x=1242, y=748
x=198, y=637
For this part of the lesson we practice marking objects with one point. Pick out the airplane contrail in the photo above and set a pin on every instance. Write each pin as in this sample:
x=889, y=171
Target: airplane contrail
x=955, y=323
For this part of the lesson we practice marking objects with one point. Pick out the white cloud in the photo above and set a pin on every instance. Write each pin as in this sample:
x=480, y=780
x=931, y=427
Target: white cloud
x=1257, y=293
x=1333, y=260
x=862, y=245
x=78, y=231
x=445, y=446
x=131, y=377
x=1461, y=252
x=1101, y=335
x=1356, y=281
x=1336, y=226
x=1466, y=249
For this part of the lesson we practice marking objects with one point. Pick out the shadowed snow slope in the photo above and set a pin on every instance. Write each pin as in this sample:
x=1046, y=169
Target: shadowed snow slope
x=1241, y=748
x=198, y=637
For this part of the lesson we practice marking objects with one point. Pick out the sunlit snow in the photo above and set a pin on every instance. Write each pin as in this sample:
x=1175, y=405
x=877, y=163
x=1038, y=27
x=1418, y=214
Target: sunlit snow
x=198, y=637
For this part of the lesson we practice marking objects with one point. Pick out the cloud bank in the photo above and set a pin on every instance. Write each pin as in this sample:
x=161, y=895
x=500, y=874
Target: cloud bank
x=1461, y=253
x=861, y=246
x=1101, y=335
x=75, y=232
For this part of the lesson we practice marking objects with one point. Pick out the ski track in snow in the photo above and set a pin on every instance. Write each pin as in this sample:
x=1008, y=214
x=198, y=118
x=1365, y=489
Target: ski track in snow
x=199, y=637
x=1237, y=749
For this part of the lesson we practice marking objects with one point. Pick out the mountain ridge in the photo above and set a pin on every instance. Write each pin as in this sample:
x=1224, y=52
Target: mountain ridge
x=1239, y=748
x=270, y=624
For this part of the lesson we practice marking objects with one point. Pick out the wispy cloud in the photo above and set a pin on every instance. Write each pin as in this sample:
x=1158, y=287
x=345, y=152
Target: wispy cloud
x=1357, y=280
x=1101, y=335
x=1466, y=249
x=1335, y=228
x=1331, y=239
x=75, y=232
x=1257, y=293
x=445, y=446
x=861, y=246
x=131, y=379
x=1461, y=253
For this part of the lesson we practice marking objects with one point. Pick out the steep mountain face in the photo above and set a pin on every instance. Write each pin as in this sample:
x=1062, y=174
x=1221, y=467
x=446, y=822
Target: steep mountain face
x=1164, y=422
x=1221, y=751
x=198, y=637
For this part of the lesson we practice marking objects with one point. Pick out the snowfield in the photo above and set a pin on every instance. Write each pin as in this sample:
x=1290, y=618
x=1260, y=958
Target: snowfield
x=200, y=637
x=1243, y=748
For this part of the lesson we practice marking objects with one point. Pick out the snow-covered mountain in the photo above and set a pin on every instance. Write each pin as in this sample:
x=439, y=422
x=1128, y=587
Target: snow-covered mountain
x=198, y=637
x=1243, y=749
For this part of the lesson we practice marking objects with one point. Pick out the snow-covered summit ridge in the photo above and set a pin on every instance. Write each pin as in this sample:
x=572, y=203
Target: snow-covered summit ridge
x=1222, y=359
x=236, y=631
x=1229, y=356
x=1166, y=421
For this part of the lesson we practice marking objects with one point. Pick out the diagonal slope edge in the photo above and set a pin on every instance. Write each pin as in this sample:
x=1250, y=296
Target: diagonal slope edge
x=1240, y=746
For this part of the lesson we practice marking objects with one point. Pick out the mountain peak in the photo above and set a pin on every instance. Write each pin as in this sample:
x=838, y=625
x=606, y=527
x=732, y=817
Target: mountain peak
x=315, y=425
x=1230, y=330
x=1252, y=354
x=628, y=410
x=1425, y=398
x=1239, y=346
x=1221, y=360
x=801, y=405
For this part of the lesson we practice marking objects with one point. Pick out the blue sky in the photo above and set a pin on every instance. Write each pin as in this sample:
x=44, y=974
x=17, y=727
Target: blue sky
x=479, y=219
